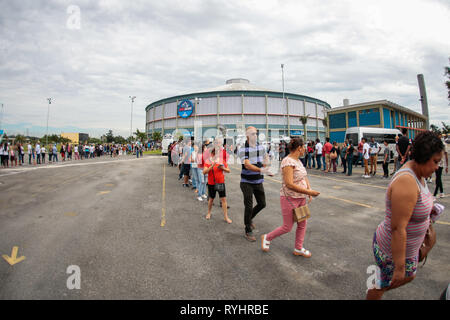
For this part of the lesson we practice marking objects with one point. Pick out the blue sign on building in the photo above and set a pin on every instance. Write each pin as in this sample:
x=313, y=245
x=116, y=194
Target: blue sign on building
x=185, y=108
x=296, y=132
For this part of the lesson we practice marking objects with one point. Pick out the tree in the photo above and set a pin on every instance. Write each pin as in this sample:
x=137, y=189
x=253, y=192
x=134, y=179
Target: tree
x=109, y=137
x=445, y=128
x=435, y=129
x=95, y=141
x=20, y=138
x=157, y=136
x=304, y=121
x=447, y=73
x=119, y=140
x=141, y=136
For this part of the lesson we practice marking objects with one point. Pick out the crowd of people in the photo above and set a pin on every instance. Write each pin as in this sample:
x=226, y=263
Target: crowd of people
x=410, y=207
x=18, y=153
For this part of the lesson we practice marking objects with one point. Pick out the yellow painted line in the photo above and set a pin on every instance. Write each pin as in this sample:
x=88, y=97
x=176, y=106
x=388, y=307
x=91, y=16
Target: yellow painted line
x=337, y=187
x=347, y=181
x=163, y=209
x=70, y=214
x=13, y=259
x=109, y=185
x=349, y=201
x=331, y=197
x=443, y=222
x=103, y=192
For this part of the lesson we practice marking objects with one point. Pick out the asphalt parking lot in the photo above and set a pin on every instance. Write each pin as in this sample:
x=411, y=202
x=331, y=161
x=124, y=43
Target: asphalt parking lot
x=135, y=233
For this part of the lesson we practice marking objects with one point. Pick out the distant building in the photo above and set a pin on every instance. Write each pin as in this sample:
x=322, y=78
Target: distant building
x=76, y=137
x=378, y=114
x=238, y=103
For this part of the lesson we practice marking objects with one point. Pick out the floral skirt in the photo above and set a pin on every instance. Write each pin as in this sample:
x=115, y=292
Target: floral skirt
x=385, y=265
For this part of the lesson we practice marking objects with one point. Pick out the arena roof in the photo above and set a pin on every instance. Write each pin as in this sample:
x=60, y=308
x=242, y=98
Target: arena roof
x=234, y=87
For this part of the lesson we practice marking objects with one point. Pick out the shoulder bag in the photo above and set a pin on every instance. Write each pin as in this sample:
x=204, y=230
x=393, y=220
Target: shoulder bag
x=300, y=213
x=220, y=187
x=428, y=243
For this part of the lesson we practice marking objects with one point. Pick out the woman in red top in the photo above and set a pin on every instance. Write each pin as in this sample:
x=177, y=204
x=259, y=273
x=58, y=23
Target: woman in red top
x=215, y=168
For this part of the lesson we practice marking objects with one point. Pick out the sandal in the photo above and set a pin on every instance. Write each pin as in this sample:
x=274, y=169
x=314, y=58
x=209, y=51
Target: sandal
x=264, y=243
x=305, y=253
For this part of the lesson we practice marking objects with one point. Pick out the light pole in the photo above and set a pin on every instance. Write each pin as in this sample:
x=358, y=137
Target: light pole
x=48, y=112
x=131, y=124
x=282, y=80
x=1, y=117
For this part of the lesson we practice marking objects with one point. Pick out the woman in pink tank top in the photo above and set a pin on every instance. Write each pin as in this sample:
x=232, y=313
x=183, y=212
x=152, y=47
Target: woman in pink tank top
x=409, y=203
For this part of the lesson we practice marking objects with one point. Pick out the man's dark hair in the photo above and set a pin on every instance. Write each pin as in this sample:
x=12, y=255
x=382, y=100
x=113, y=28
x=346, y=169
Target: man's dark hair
x=327, y=139
x=365, y=140
x=317, y=140
x=404, y=131
x=425, y=145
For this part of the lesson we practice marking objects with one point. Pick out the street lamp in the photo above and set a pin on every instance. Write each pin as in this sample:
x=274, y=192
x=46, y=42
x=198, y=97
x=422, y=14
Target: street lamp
x=48, y=112
x=1, y=117
x=131, y=124
x=282, y=80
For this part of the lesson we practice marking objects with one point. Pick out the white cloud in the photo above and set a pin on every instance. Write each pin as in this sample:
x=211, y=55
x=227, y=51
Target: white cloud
x=361, y=50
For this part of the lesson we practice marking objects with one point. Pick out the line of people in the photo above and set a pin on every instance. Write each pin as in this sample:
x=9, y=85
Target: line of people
x=15, y=155
x=397, y=241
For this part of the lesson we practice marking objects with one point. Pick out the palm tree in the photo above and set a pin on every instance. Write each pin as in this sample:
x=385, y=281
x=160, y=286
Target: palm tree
x=157, y=136
x=304, y=121
x=141, y=136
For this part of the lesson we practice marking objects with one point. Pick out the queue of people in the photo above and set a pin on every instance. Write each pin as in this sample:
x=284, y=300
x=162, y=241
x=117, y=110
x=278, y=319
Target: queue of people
x=410, y=207
x=15, y=155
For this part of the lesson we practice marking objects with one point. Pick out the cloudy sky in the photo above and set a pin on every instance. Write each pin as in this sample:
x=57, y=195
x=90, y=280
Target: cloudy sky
x=90, y=56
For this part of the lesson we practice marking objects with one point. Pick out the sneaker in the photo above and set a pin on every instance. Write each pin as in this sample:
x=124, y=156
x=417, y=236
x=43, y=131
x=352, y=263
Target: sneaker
x=204, y=196
x=442, y=195
x=264, y=243
x=304, y=253
x=250, y=237
x=200, y=199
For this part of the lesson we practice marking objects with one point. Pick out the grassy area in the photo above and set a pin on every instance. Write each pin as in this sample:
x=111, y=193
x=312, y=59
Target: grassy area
x=153, y=152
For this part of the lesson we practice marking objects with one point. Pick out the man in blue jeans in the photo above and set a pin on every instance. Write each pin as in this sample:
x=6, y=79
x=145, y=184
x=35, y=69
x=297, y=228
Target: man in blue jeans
x=319, y=147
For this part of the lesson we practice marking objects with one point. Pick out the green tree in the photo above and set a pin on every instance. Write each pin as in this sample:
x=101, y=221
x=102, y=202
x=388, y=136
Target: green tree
x=447, y=73
x=20, y=138
x=157, y=136
x=445, y=128
x=304, y=121
x=109, y=136
x=325, y=123
x=119, y=140
x=435, y=129
x=141, y=136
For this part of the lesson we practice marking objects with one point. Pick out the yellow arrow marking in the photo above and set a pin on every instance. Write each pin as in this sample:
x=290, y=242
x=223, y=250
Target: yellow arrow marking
x=103, y=192
x=13, y=259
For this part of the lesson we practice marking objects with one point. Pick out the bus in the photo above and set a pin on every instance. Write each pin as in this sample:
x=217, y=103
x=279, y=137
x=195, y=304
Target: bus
x=379, y=134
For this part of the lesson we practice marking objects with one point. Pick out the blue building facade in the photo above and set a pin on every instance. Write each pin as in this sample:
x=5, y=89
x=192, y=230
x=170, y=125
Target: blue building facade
x=377, y=114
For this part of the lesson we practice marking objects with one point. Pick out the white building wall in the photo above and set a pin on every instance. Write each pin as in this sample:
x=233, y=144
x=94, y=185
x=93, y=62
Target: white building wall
x=230, y=105
x=255, y=105
x=276, y=105
x=207, y=106
x=170, y=110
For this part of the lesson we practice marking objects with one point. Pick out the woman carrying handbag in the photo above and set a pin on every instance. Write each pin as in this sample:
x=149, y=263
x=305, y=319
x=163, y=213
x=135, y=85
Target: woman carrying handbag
x=214, y=168
x=294, y=190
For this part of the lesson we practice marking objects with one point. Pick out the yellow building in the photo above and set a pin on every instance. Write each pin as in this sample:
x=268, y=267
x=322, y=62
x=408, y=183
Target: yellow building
x=76, y=137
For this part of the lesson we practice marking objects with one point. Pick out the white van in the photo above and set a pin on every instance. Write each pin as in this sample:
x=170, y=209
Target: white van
x=380, y=134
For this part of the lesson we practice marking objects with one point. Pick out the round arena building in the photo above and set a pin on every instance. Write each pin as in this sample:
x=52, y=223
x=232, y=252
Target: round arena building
x=235, y=105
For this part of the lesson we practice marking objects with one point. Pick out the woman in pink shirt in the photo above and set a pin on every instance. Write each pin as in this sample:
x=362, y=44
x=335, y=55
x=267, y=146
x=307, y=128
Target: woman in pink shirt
x=293, y=193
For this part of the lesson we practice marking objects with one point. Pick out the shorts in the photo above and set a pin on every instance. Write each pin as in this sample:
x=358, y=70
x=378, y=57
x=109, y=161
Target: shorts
x=385, y=265
x=185, y=169
x=212, y=192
